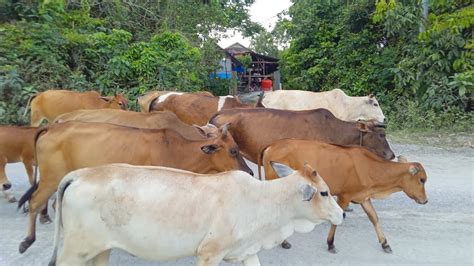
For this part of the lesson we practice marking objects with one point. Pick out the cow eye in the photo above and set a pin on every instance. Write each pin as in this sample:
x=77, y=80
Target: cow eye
x=233, y=152
x=120, y=103
x=422, y=180
x=376, y=104
x=324, y=193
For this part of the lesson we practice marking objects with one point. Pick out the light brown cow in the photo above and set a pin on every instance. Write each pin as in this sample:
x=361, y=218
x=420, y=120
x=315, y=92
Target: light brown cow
x=145, y=100
x=16, y=145
x=254, y=129
x=353, y=174
x=153, y=120
x=194, y=108
x=52, y=103
x=64, y=147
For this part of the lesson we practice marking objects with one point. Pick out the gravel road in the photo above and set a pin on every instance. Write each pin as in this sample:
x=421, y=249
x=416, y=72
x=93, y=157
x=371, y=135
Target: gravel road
x=440, y=232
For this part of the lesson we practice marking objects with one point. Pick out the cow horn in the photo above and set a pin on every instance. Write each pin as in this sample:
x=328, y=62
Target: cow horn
x=225, y=129
x=413, y=170
x=382, y=125
x=371, y=95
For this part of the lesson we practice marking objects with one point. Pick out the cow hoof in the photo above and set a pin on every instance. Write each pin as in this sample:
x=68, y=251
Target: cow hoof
x=286, y=245
x=332, y=249
x=348, y=209
x=44, y=219
x=387, y=249
x=25, y=244
x=12, y=199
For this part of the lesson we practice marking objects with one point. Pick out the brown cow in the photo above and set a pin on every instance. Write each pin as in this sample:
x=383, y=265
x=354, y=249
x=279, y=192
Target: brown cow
x=153, y=120
x=145, y=100
x=353, y=174
x=254, y=129
x=52, y=103
x=64, y=147
x=195, y=108
x=16, y=145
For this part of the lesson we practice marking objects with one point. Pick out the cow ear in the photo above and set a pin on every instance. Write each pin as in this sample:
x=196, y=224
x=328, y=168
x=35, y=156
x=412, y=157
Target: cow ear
x=308, y=192
x=103, y=98
x=210, y=149
x=281, y=170
x=363, y=127
x=371, y=96
x=201, y=131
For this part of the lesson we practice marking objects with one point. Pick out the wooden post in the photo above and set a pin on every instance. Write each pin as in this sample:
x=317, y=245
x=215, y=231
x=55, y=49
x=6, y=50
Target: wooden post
x=233, y=84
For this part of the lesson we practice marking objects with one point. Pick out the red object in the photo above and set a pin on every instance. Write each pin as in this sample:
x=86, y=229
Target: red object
x=266, y=84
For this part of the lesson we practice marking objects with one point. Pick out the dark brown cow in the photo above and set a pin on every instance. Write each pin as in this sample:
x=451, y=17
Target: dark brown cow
x=195, y=108
x=153, y=120
x=353, y=174
x=16, y=145
x=64, y=147
x=255, y=129
x=52, y=103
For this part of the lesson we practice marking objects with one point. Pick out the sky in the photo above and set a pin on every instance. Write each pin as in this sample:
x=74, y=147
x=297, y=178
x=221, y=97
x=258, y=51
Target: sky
x=262, y=11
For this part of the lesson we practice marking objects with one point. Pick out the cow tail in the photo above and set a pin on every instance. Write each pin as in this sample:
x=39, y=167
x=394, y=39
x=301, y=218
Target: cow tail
x=152, y=102
x=260, y=99
x=137, y=108
x=27, y=196
x=58, y=219
x=260, y=161
x=30, y=99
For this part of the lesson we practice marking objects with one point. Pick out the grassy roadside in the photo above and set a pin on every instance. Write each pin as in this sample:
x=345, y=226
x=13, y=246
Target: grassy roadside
x=430, y=137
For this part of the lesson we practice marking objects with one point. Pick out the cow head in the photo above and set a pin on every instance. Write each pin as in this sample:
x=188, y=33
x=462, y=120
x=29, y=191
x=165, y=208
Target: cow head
x=413, y=183
x=314, y=195
x=368, y=108
x=223, y=152
x=372, y=136
x=116, y=102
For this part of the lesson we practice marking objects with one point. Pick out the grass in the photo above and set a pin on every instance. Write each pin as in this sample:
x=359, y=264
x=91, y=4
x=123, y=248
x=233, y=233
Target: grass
x=443, y=138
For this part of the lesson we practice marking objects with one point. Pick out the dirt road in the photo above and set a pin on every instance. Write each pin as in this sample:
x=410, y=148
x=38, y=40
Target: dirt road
x=440, y=232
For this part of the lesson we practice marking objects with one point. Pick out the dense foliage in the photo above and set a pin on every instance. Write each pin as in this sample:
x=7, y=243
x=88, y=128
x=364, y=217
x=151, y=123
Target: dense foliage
x=111, y=46
x=421, y=70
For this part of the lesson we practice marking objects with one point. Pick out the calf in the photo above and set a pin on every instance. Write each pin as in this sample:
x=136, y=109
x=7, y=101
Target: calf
x=254, y=129
x=344, y=107
x=159, y=213
x=64, y=147
x=52, y=103
x=154, y=120
x=353, y=174
x=195, y=108
x=16, y=145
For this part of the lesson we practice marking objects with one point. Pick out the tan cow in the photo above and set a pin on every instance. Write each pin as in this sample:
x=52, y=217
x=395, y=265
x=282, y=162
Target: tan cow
x=52, y=103
x=353, y=174
x=193, y=108
x=153, y=120
x=64, y=147
x=16, y=145
x=145, y=100
x=344, y=107
x=254, y=129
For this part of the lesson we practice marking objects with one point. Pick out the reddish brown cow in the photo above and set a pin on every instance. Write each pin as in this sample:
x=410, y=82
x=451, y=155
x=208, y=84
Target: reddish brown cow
x=64, y=147
x=195, y=108
x=52, y=103
x=353, y=174
x=255, y=129
x=16, y=145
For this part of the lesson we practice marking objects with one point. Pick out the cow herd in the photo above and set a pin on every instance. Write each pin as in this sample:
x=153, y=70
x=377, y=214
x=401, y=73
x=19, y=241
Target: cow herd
x=171, y=181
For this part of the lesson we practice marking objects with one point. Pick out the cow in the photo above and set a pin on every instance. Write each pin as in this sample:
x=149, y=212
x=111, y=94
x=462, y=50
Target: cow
x=254, y=129
x=154, y=120
x=353, y=174
x=16, y=145
x=193, y=108
x=49, y=104
x=344, y=107
x=64, y=147
x=145, y=100
x=160, y=213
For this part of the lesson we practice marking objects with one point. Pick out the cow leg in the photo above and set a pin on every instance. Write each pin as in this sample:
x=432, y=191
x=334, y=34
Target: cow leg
x=102, y=259
x=208, y=260
x=39, y=198
x=252, y=261
x=29, y=170
x=36, y=118
x=5, y=184
x=332, y=232
x=370, y=211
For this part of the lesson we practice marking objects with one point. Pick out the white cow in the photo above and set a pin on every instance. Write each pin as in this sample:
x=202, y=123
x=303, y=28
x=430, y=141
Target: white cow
x=344, y=107
x=160, y=213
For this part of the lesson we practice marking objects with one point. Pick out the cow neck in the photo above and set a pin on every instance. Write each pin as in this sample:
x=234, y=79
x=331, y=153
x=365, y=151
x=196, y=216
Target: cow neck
x=386, y=175
x=349, y=134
